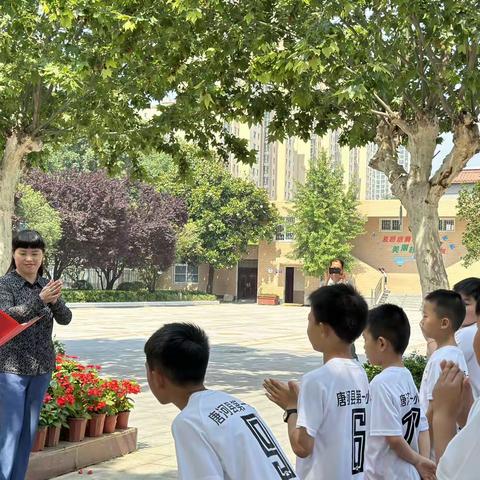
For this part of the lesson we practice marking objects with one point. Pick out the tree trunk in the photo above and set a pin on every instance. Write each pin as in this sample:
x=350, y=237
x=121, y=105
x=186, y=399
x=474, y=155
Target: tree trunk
x=423, y=218
x=418, y=190
x=16, y=148
x=211, y=273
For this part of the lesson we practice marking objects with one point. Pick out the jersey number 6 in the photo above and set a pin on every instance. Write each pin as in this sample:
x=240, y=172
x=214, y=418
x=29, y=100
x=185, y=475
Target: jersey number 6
x=358, y=439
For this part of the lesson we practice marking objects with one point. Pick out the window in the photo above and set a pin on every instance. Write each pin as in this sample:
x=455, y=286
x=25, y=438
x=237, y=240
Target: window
x=284, y=230
x=186, y=273
x=390, y=225
x=446, y=225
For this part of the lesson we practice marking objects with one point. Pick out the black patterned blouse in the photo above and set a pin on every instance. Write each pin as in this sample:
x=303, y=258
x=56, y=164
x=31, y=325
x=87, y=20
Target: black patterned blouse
x=31, y=352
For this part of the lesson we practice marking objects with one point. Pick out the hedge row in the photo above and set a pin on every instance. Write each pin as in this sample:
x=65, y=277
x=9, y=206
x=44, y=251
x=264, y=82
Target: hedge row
x=414, y=362
x=138, y=296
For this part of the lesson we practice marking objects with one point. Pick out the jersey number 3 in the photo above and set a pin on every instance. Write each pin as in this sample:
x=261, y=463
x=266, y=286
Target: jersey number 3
x=359, y=421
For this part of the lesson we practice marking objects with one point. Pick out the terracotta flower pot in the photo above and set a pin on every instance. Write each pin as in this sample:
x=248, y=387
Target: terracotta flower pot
x=39, y=443
x=96, y=424
x=122, y=420
x=77, y=427
x=110, y=424
x=53, y=436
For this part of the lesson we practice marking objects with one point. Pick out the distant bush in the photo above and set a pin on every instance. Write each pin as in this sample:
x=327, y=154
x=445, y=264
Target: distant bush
x=414, y=362
x=58, y=346
x=81, y=285
x=131, y=286
x=133, y=296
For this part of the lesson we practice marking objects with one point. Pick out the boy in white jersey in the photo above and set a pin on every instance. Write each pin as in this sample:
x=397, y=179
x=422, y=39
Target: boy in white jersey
x=398, y=443
x=327, y=414
x=443, y=314
x=459, y=453
x=217, y=436
x=469, y=289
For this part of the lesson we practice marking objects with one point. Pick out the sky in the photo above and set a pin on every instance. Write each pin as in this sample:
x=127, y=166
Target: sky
x=445, y=148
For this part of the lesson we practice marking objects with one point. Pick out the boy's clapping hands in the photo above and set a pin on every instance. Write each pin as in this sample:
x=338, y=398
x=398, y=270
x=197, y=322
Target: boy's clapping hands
x=285, y=395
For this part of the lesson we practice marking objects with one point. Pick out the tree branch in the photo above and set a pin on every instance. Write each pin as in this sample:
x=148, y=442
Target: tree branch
x=53, y=116
x=388, y=139
x=472, y=56
x=438, y=74
x=37, y=95
x=394, y=118
x=466, y=143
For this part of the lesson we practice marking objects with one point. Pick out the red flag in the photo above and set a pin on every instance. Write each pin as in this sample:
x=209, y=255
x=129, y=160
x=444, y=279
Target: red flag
x=10, y=328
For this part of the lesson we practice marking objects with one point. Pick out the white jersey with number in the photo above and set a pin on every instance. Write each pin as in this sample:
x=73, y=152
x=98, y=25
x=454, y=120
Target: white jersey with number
x=394, y=411
x=218, y=437
x=461, y=459
x=433, y=370
x=464, y=337
x=332, y=407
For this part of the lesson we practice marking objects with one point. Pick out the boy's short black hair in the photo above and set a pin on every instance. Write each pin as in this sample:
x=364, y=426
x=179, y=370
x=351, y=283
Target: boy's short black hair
x=341, y=307
x=390, y=322
x=180, y=351
x=470, y=287
x=448, y=304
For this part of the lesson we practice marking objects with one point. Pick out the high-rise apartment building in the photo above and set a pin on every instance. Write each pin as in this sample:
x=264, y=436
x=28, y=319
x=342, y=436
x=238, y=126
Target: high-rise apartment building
x=378, y=186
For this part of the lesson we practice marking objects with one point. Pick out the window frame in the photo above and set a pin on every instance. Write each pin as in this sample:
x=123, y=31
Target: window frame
x=284, y=229
x=441, y=222
x=391, y=220
x=188, y=274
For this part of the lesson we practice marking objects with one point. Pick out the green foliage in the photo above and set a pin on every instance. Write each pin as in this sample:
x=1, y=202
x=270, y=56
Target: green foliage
x=413, y=362
x=226, y=214
x=131, y=286
x=190, y=243
x=34, y=212
x=416, y=364
x=58, y=346
x=80, y=296
x=52, y=415
x=81, y=285
x=468, y=210
x=372, y=370
x=78, y=156
x=327, y=219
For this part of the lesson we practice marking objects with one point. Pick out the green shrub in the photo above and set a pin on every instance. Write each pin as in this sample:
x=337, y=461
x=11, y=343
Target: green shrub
x=82, y=285
x=131, y=286
x=58, y=346
x=128, y=296
x=414, y=362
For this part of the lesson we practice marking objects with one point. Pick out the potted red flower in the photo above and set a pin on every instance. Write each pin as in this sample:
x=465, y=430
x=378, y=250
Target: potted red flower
x=70, y=384
x=52, y=417
x=97, y=407
x=124, y=403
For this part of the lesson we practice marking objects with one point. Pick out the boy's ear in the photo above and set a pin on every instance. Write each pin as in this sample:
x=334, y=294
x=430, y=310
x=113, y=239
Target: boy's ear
x=326, y=329
x=445, y=323
x=158, y=378
x=382, y=343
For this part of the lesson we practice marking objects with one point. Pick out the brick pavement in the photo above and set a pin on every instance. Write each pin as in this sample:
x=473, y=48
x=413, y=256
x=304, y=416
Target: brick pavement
x=249, y=343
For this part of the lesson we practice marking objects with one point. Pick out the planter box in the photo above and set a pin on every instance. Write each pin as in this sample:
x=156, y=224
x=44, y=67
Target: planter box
x=69, y=457
x=267, y=300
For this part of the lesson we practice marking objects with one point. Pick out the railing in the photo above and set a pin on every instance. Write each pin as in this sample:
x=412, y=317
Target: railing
x=378, y=292
x=89, y=274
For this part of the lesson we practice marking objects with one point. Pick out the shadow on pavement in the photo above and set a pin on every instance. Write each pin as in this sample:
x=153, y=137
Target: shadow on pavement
x=234, y=368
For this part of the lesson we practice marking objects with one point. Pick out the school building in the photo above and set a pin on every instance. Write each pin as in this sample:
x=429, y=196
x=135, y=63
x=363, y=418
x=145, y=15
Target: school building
x=269, y=267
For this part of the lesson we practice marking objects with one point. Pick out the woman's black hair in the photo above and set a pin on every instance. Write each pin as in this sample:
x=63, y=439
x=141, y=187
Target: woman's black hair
x=27, y=239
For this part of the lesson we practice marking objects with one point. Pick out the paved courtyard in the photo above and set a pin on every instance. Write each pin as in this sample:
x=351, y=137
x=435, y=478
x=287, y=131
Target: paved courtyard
x=249, y=343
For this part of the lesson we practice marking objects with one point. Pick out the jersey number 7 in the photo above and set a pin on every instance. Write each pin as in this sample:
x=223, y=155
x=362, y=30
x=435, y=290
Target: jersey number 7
x=411, y=420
